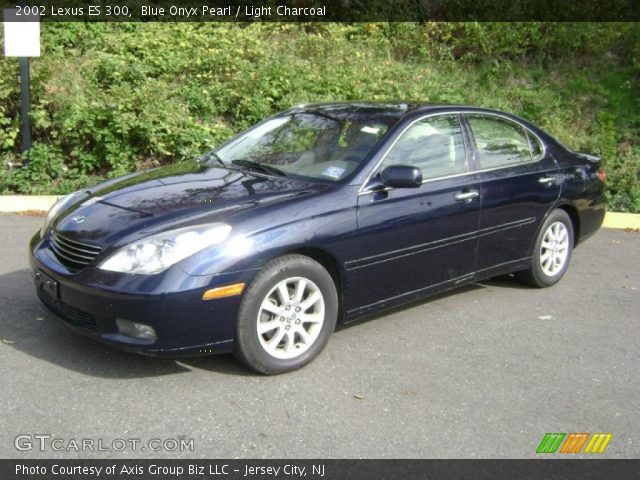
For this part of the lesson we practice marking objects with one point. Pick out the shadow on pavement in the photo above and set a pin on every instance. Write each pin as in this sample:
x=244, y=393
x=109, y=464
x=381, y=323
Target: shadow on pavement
x=504, y=281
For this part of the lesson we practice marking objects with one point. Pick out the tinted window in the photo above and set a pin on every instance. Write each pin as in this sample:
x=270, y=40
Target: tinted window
x=435, y=145
x=499, y=142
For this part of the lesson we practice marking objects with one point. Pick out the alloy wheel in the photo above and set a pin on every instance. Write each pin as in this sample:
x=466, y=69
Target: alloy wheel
x=290, y=318
x=554, y=249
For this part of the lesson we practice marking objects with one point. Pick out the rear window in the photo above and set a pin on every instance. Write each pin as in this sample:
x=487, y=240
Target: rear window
x=499, y=142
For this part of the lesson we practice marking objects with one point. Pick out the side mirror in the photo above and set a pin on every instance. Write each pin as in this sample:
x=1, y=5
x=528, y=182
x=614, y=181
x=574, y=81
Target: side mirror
x=401, y=176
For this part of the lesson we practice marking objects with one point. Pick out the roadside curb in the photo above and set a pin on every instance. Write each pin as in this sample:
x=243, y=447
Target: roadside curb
x=622, y=220
x=42, y=203
x=26, y=203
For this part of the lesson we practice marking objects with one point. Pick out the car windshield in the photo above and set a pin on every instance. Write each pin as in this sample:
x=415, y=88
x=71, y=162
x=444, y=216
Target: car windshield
x=310, y=144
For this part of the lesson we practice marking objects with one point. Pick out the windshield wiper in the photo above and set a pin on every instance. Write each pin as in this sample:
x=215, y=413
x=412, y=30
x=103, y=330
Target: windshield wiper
x=209, y=155
x=260, y=167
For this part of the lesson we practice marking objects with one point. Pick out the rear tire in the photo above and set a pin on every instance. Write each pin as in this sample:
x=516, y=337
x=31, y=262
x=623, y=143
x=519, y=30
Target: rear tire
x=286, y=315
x=551, y=251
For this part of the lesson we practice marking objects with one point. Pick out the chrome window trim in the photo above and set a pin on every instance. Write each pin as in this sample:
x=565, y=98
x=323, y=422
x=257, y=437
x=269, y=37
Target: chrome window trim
x=363, y=191
x=542, y=149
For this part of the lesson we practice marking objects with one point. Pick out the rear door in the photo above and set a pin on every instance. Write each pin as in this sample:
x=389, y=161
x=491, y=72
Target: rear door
x=415, y=239
x=519, y=184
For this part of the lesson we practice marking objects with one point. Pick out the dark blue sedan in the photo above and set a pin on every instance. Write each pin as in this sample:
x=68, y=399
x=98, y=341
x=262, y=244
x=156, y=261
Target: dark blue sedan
x=320, y=214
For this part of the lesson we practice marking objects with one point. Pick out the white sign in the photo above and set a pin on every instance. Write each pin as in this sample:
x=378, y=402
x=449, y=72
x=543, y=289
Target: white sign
x=21, y=34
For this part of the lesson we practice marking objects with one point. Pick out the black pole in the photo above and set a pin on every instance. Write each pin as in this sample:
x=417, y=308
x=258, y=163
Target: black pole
x=24, y=104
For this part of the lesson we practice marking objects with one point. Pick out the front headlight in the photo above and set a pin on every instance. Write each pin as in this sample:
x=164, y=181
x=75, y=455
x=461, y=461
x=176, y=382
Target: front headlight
x=54, y=210
x=158, y=252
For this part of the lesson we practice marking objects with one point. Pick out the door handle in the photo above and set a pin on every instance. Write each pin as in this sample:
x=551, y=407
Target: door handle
x=467, y=196
x=547, y=180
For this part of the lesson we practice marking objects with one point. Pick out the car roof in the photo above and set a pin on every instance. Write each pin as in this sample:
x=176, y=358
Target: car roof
x=397, y=109
x=389, y=110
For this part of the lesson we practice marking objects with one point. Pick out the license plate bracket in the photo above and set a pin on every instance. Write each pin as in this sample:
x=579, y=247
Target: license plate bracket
x=48, y=284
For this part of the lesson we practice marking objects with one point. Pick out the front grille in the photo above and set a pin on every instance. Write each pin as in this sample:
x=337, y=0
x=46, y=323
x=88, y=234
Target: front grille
x=69, y=314
x=71, y=253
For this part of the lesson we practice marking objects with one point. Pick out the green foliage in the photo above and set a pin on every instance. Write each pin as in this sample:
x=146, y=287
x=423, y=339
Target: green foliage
x=622, y=164
x=110, y=98
x=623, y=175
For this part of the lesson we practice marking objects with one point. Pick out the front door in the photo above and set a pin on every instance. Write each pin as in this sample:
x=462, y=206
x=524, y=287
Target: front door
x=412, y=240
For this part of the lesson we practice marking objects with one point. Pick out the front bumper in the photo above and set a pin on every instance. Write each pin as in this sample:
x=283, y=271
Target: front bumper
x=90, y=301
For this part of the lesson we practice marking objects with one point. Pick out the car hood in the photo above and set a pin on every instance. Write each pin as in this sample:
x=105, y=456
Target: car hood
x=180, y=194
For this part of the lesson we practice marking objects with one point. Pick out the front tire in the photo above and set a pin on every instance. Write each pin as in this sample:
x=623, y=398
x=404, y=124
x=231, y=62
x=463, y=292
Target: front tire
x=551, y=252
x=286, y=316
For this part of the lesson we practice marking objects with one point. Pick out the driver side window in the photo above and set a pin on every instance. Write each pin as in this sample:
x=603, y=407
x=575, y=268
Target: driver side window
x=435, y=145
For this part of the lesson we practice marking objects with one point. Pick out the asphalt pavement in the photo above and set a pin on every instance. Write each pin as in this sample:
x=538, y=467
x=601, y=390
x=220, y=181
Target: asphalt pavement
x=482, y=372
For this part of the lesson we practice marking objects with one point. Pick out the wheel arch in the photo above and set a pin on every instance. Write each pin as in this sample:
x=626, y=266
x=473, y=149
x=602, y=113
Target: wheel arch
x=331, y=264
x=570, y=210
x=575, y=219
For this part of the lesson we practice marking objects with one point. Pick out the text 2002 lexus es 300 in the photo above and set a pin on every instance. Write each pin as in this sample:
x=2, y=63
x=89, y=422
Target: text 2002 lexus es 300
x=319, y=214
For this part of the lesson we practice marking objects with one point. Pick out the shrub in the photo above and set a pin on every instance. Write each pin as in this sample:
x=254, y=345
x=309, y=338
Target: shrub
x=111, y=98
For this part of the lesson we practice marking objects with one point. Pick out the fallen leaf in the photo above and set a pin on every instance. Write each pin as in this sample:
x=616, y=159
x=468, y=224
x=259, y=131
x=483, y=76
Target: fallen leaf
x=410, y=392
x=8, y=342
x=358, y=396
x=33, y=213
x=545, y=317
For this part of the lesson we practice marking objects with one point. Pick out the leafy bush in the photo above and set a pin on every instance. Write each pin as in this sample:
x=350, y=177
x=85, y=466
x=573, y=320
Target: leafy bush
x=624, y=181
x=111, y=98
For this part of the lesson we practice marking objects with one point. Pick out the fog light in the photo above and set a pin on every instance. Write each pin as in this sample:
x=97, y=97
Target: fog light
x=136, y=330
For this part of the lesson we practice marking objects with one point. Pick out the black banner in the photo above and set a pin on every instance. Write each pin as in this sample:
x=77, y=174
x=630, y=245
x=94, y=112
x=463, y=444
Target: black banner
x=325, y=10
x=317, y=469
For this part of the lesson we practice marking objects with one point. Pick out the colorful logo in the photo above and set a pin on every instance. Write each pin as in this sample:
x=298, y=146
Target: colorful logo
x=573, y=442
